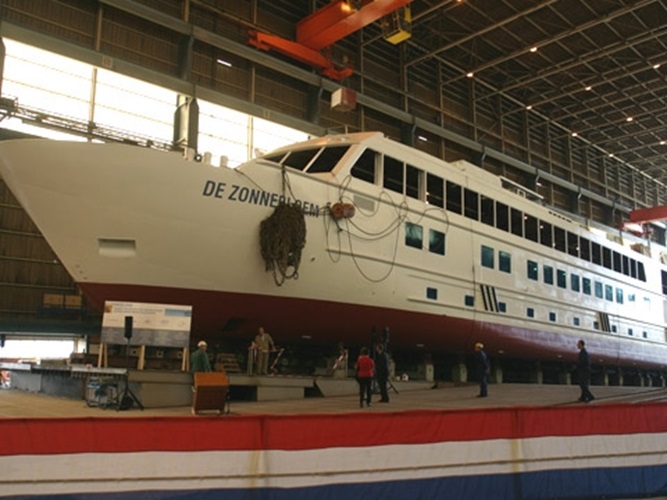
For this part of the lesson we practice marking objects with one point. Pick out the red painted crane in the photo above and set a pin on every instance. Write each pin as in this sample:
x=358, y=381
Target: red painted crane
x=323, y=28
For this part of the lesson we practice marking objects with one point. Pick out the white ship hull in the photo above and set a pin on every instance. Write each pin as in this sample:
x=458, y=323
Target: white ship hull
x=135, y=224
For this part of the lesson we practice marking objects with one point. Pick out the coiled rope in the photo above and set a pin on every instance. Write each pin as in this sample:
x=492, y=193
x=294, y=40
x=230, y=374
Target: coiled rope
x=282, y=236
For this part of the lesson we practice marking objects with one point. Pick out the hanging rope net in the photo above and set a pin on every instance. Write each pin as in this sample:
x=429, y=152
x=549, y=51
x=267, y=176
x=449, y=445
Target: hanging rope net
x=282, y=237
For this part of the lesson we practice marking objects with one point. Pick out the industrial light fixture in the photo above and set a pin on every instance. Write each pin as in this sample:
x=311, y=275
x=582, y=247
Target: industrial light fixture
x=224, y=63
x=588, y=88
x=574, y=134
x=529, y=107
x=533, y=49
x=656, y=66
x=629, y=119
x=422, y=138
x=470, y=74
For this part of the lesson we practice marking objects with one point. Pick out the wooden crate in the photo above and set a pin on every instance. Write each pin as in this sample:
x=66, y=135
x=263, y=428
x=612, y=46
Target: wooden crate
x=211, y=389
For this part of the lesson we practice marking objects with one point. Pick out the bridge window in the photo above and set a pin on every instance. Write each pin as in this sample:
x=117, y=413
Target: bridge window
x=573, y=244
x=502, y=216
x=585, y=249
x=598, y=289
x=300, y=159
x=549, y=275
x=560, y=242
x=530, y=312
x=393, y=174
x=596, y=253
x=436, y=242
x=432, y=293
x=488, y=212
x=487, y=257
x=546, y=236
x=530, y=227
x=626, y=265
x=435, y=191
x=574, y=282
x=552, y=316
x=364, y=167
x=663, y=275
x=606, y=257
x=640, y=272
x=454, y=203
x=617, y=262
x=469, y=301
x=609, y=293
x=576, y=321
x=619, y=295
x=517, y=222
x=412, y=182
x=327, y=159
x=471, y=199
x=414, y=235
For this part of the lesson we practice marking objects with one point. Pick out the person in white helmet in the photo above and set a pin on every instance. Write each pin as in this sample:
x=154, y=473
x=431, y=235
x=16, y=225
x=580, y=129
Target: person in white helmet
x=199, y=361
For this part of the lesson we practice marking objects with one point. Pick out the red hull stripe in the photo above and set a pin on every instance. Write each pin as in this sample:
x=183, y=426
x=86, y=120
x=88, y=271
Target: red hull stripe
x=303, y=432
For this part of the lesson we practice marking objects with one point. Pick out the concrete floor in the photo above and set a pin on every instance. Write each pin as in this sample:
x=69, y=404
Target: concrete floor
x=19, y=404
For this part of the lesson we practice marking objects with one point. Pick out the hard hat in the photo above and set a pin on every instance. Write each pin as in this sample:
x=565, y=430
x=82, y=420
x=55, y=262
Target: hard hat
x=479, y=345
x=202, y=343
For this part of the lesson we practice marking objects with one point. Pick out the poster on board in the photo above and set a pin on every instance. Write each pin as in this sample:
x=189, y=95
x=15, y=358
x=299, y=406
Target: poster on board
x=162, y=325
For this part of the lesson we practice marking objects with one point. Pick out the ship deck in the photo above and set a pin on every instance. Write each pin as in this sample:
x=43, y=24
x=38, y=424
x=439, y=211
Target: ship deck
x=20, y=404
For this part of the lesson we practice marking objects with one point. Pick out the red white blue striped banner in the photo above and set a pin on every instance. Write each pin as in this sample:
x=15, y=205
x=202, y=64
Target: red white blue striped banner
x=514, y=453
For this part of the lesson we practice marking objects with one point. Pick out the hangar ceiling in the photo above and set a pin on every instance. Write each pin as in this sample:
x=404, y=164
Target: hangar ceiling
x=568, y=91
x=595, y=68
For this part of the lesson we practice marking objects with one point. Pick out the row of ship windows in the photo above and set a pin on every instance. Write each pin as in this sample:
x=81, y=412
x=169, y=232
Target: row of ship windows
x=469, y=300
x=413, y=182
x=414, y=236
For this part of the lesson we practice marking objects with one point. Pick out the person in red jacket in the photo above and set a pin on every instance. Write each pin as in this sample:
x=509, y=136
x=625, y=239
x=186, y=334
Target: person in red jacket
x=364, y=366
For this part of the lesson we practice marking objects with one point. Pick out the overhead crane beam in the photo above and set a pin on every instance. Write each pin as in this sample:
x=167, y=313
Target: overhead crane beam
x=651, y=214
x=299, y=52
x=340, y=18
x=325, y=27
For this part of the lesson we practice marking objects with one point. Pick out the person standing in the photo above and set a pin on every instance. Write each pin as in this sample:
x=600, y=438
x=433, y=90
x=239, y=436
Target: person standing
x=264, y=344
x=382, y=371
x=364, y=368
x=483, y=369
x=199, y=361
x=584, y=372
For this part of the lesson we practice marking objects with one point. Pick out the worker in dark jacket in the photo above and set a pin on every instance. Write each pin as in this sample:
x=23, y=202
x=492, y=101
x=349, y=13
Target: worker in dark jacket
x=199, y=361
x=584, y=372
x=483, y=369
x=382, y=371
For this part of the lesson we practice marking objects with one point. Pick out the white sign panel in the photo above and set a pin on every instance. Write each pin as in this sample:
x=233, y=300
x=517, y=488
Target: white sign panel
x=152, y=324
